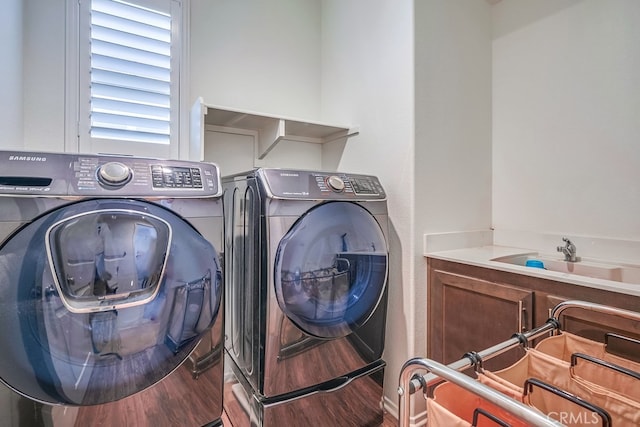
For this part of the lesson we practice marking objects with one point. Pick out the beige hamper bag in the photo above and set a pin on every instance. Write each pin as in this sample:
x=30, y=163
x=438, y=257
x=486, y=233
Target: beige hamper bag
x=522, y=380
x=454, y=406
x=608, y=370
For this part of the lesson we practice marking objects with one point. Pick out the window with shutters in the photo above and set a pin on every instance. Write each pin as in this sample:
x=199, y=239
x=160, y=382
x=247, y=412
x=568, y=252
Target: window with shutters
x=129, y=57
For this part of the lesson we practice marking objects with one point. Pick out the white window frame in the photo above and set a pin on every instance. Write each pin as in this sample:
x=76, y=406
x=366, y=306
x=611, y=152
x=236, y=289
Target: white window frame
x=77, y=83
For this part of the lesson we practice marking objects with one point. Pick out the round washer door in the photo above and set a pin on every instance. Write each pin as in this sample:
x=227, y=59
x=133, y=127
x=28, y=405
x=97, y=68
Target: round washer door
x=331, y=269
x=101, y=299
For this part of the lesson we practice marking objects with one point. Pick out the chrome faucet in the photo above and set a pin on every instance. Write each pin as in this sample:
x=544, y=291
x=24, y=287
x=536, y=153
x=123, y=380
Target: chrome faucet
x=569, y=250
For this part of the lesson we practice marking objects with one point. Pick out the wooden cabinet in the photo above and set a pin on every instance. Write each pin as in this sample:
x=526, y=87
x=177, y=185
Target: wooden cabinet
x=466, y=313
x=594, y=325
x=473, y=308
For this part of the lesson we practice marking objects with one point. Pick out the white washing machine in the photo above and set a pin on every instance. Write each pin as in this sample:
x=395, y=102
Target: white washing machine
x=306, y=288
x=110, y=291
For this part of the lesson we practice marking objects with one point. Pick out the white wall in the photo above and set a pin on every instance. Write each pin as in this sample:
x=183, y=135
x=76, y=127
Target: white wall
x=566, y=117
x=262, y=57
x=452, y=131
x=453, y=115
x=367, y=80
x=44, y=71
x=453, y=125
x=11, y=74
x=256, y=55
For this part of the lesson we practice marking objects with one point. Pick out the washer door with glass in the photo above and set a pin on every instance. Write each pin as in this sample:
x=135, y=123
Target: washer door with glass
x=101, y=299
x=331, y=269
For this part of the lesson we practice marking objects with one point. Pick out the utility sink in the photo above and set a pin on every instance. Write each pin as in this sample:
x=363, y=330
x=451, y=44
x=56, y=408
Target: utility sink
x=583, y=267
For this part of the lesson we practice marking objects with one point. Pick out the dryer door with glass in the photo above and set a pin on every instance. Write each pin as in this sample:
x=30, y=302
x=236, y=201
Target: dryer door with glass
x=331, y=270
x=101, y=299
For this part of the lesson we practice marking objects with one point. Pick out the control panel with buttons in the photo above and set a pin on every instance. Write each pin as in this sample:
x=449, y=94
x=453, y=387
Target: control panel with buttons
x=175, y=177
x=322, y=185
x=68, y=174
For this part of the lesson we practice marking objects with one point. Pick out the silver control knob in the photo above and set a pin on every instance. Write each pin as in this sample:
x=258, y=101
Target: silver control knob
x=114, y=174
x=335, y=183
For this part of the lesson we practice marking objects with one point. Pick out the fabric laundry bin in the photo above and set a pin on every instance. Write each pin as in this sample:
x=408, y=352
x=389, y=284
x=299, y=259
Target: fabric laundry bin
x=537, y=370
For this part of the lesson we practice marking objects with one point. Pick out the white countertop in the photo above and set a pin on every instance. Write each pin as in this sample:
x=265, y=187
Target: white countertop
x=481, y=256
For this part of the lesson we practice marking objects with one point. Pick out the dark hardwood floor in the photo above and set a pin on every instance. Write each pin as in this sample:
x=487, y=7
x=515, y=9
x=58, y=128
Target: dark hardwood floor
x=388, y=421
x=178, y=400
x=338, y=415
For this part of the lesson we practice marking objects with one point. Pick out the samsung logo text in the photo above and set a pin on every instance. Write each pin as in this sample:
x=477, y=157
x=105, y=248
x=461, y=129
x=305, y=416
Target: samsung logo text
x=27, y=159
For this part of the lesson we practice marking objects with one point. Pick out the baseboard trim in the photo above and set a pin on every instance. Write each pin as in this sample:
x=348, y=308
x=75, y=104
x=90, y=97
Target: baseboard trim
x=416, y=420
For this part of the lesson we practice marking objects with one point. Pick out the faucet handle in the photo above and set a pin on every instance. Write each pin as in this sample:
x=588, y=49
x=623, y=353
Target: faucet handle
x=569, y=250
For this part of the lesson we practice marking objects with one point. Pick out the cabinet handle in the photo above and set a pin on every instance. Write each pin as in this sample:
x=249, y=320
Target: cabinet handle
x=522, y=319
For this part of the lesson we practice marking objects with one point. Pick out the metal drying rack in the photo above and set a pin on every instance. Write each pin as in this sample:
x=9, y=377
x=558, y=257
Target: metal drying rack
x=411, y=382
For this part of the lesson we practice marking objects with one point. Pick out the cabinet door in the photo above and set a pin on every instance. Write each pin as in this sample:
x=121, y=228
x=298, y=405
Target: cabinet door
x=469, y=314
x=593, y=325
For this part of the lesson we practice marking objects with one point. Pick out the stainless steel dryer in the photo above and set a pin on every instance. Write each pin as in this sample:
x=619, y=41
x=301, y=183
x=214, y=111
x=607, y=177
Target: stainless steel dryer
x=306, y=288
x=110, y=291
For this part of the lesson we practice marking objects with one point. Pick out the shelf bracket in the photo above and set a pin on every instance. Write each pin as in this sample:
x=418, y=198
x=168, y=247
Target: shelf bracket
x=269, y=137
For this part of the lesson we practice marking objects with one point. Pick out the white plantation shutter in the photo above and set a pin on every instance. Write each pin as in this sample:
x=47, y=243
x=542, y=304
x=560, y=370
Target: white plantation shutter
x=129, y=58
x=130, y=72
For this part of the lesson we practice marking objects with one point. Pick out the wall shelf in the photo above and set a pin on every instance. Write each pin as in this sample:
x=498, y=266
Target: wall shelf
x=269, y=129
